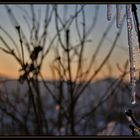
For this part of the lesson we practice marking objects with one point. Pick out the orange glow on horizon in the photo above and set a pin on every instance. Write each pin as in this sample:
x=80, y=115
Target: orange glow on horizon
x=48, y=75
x=15, y=74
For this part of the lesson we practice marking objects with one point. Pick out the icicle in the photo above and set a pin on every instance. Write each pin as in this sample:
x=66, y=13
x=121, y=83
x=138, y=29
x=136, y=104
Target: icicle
x=131, y=54
x=136, y=24
x=109, y=12
x=118, y=15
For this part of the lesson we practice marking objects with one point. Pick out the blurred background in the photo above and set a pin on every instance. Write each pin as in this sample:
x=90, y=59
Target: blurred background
x=64, y=70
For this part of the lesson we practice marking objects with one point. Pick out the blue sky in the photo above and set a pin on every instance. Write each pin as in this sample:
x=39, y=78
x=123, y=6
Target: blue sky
x=118, y=56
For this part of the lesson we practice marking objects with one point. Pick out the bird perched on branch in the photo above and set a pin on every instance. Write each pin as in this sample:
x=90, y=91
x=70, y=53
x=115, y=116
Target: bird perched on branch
x=35, y=52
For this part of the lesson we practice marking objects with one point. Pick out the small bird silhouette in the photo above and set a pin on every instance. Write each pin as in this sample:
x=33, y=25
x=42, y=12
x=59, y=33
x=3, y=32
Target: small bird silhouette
x=35, y=52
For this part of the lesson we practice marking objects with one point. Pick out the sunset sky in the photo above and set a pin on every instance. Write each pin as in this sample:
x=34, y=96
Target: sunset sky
x=9, y=67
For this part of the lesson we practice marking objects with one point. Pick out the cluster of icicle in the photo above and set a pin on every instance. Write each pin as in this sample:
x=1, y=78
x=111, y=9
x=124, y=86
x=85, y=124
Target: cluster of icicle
x=129, y=31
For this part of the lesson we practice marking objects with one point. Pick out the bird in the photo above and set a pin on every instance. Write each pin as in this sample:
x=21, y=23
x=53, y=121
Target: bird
x=35, y=52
